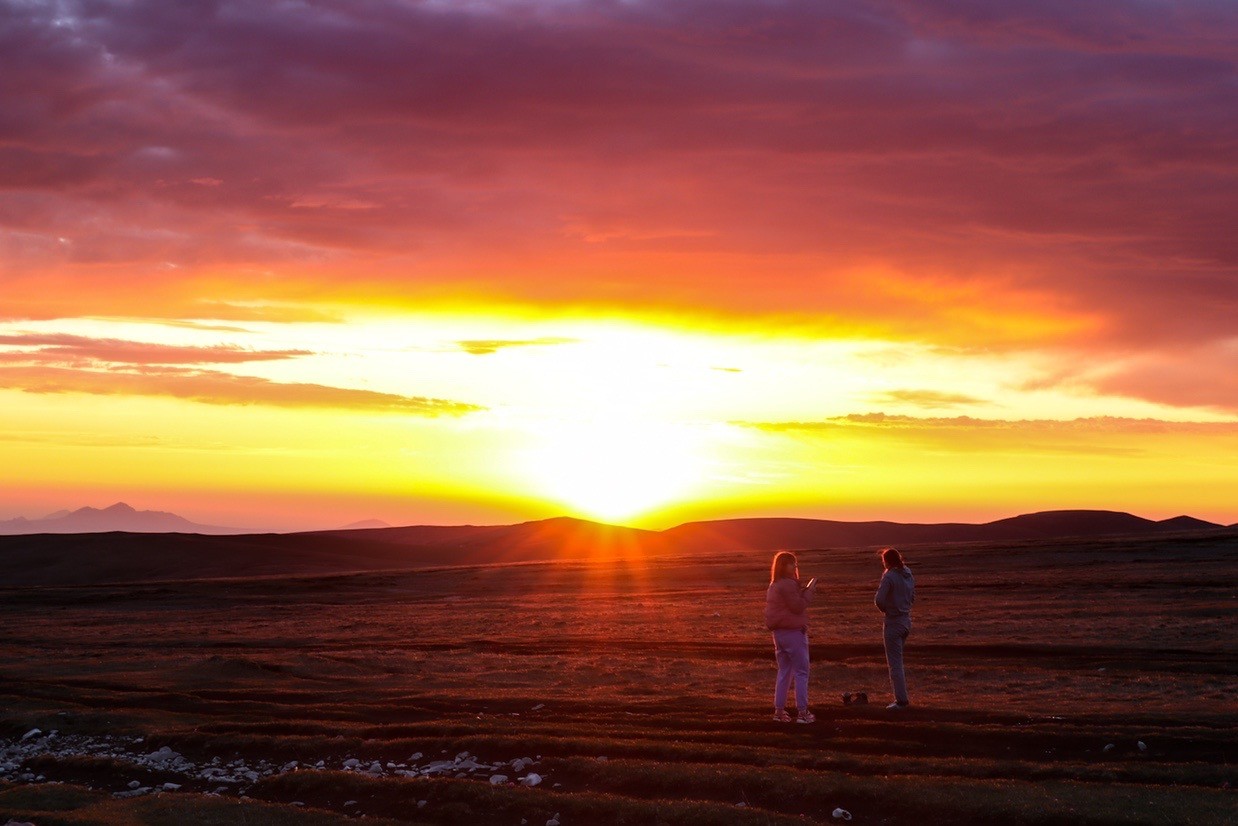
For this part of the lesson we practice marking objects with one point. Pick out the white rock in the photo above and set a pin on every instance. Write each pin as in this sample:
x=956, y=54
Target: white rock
x=554, y=821
x=348, y=803
x=375, y=768
x=841, y=814
x=171, y=787
x=498, y=779
x=531, y=779
x=297, y=803
x=421, y=804
x=539, y=706
x=34, y=732
x=133, y=784
x=1142, y=745
x=462, y=755
x=352, y=763
x=1108, y=748
x=320, y=764
x=416, y=756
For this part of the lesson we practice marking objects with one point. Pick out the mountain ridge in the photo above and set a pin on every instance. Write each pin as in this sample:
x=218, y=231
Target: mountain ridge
x=61, y=559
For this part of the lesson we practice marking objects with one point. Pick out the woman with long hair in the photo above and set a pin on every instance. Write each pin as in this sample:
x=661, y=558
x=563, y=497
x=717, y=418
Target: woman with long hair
x=895, y=596
x=786, y=615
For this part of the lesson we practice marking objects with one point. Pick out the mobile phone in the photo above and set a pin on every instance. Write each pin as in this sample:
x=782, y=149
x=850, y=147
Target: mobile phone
x=811, y=582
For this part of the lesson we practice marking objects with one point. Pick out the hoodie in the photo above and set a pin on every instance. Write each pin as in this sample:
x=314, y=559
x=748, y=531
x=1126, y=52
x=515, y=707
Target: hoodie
x=786, y=605
x=896, y=593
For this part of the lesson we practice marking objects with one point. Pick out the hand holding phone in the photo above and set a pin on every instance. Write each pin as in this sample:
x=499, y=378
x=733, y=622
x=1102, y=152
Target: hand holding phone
x=812, y=583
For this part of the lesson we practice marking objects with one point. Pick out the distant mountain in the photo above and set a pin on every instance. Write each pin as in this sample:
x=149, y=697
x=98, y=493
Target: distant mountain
x=773, y=533
x=365, y=525
x=1186, y=523
x=94, y=558
x=118, y=517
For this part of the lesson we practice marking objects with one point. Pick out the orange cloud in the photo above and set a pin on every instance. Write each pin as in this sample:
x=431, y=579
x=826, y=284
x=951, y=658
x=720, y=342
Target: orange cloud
x=214, y=387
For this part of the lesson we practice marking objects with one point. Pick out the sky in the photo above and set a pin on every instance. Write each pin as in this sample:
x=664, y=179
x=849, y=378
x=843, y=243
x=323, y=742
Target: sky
x=289, y=265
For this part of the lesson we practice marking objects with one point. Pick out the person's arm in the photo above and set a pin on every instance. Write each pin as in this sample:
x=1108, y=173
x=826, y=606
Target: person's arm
x=793, y=597
x=883, y=593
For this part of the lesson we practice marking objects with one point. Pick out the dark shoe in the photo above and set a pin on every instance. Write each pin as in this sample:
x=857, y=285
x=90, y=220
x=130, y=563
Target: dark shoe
x=861, y=699
x=847, y=699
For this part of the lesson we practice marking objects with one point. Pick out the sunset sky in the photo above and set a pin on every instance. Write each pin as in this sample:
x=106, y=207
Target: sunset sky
x=294, y=264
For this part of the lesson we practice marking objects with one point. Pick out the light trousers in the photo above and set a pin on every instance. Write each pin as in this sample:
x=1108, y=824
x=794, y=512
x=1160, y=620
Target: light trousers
x=791, y=652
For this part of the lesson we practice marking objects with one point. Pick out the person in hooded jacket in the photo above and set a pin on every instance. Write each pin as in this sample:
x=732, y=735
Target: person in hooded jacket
x=786, y=615
x=895, y=596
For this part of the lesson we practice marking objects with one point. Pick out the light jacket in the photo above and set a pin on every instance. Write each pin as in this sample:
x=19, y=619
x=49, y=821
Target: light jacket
x=786, y=605
x=896, y=593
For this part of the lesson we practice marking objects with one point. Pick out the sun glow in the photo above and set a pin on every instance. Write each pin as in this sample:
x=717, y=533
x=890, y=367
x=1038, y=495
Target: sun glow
x=614, y=468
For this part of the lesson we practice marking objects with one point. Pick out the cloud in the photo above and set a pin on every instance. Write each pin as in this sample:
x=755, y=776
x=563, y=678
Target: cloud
x=1200, y=376
x=62, y=347
x=927, y=398
x=1021, y=173
x=1091, y=424
x=1099, y=435
x=482, y=347
x=214, y=387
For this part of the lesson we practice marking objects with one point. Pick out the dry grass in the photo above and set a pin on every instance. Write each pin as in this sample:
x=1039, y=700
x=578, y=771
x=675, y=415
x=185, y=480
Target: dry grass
x=1025, y=662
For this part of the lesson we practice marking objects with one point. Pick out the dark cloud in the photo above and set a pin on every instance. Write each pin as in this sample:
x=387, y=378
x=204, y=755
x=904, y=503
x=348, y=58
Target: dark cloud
x=734, y=156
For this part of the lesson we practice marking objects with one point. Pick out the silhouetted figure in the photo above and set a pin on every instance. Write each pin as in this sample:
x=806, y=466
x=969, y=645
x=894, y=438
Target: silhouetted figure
x=786, y=615
x=895, y=596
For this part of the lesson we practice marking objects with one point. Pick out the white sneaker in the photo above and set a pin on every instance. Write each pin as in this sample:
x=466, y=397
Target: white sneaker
x=897, y=706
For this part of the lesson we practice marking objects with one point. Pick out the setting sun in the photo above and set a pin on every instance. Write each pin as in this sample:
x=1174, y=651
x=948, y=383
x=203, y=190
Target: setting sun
x=612, y=468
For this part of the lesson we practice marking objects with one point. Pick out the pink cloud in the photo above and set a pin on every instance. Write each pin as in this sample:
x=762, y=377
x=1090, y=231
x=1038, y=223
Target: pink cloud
x=737, y=157
x=57, y=347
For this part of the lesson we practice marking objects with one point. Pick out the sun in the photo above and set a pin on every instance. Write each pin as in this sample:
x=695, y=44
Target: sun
x=613, y=468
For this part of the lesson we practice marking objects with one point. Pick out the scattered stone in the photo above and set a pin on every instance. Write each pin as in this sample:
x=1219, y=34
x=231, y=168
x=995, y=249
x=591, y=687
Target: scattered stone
x=841, y=814
x=1142, y=745
x=416, y=756
x=421, y=804
x=34, y=732
x=532, y=779
x=133, y=784
x=348, y=803
x=352, y=763
x=171, y=787
x=297, y=803
x=498, y=779
x=554, y=821
x=1108, y=748
x=375, y=768
x=539, y=707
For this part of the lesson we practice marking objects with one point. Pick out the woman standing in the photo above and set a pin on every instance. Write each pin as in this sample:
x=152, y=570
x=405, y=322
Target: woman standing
x=895, y=596
x=786, y=615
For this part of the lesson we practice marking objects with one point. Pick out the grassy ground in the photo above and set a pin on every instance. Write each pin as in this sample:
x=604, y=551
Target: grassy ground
x=641, y=688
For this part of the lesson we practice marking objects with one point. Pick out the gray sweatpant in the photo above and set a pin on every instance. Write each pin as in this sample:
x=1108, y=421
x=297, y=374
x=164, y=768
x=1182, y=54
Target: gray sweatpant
x=896, y=630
